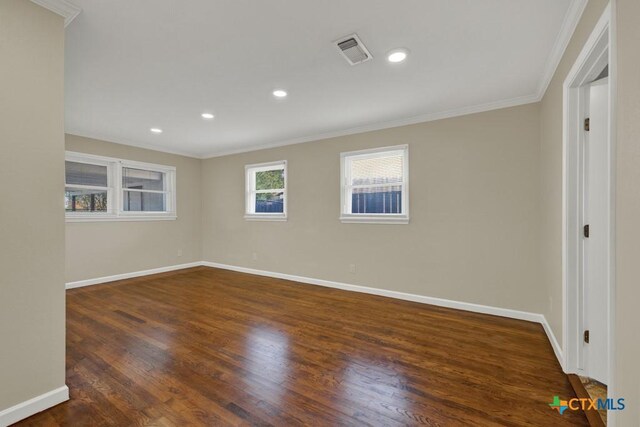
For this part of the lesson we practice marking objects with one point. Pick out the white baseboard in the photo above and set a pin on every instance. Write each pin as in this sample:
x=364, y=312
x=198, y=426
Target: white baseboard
x=554, y=342
x=89, y=282
x=476, y=308
x=440, y=302
x=33, y=406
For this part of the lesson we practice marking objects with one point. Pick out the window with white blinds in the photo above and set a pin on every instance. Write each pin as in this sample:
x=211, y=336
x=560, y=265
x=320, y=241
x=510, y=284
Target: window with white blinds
x=104, y=188
x=375, y=185
x=87, y=187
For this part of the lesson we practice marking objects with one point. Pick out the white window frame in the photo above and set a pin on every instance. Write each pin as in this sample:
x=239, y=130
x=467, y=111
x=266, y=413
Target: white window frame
x=115, y=190
x=93, y=160
x=346, y=190
x=250, y=191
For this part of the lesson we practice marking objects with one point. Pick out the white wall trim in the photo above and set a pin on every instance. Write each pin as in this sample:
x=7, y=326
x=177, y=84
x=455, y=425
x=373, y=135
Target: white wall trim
x=429, y=117
x=98, y=280
x=557, y=349
x=67, y=10
x=440, y=302
x=33, y=406
x=123, y=141
x=569, y=24
x=114, y=218
x=583, y=71
x=601, y=41
x=423, y=118
x=612, y=387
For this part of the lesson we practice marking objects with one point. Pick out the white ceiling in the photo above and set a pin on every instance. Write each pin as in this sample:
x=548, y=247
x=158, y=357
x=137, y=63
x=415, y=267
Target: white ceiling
x=133, y=65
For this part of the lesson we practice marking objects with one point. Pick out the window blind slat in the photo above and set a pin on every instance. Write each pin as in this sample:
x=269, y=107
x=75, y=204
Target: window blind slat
x=86, y=174
x=377, y=170
x=140, y=179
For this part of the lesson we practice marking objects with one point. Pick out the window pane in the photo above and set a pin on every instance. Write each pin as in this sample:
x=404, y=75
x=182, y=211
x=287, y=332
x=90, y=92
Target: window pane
x=142, y=179
x=377, y=200
x=377, y=170
x=136, y=201
x=270, y=180
x=270, y=202
x=85, y=174
x=81, y=200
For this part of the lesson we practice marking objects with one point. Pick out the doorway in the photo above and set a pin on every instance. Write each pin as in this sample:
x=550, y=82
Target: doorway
x=588, y=215
x=593, y=357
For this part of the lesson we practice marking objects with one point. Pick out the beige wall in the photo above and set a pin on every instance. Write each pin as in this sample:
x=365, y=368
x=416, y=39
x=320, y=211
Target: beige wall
x=32, y=295
x=485, y=208
x=130, y=246
x=474, y=213
x=551, y=171
x=627, y=348
x=627, y=343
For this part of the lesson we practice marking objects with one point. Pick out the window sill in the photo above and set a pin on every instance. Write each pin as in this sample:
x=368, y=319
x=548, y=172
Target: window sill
x=249, y=217
x=374, y=219
x=113, y=218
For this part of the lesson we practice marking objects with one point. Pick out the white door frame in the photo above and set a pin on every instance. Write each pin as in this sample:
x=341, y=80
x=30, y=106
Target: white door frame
x=598, y=51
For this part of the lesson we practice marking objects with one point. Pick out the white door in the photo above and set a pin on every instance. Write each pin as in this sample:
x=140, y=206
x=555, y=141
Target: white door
x=596, y=215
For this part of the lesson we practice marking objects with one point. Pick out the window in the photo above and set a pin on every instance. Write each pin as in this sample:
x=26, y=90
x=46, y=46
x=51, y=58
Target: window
x=143, y=190
x=87, y=187
x=266, y=191
x=375, y=185
x=103, y=188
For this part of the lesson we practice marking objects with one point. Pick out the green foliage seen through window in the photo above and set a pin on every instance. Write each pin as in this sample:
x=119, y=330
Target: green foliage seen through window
x=270, y=180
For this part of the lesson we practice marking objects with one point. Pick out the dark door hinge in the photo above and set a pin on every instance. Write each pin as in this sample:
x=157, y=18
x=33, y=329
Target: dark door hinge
x=585, y=231
x=586, y=336
x=586, y=124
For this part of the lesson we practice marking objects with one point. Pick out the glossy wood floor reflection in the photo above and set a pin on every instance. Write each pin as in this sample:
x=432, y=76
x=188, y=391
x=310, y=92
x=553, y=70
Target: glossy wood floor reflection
x=213, y=347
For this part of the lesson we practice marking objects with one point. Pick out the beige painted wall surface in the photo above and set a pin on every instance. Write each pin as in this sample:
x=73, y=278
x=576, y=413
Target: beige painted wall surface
x=99, y=249
x=551, y=170
x=32, y=305
x=474, y=213
x=627, y=356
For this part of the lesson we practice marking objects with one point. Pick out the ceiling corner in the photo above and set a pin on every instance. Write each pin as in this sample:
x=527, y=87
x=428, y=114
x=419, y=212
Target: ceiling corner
x=62, y=7
x=569, y=24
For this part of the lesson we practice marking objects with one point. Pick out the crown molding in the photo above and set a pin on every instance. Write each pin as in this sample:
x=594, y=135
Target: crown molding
x=121, y=141
x=62, y=7
x=569, y=24
x=505, y=103
x=568, y=27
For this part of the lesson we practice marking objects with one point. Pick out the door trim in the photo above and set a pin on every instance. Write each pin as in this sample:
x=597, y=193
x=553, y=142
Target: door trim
x=598, y=51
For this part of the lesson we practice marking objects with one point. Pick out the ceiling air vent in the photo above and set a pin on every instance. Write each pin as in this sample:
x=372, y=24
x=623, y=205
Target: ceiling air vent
x=353, y=50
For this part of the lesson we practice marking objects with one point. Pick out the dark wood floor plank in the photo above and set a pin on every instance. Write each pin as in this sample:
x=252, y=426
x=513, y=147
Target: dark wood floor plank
x=212, y=347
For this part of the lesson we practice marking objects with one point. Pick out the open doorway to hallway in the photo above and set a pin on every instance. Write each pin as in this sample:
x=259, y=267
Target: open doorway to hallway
x=588, y=218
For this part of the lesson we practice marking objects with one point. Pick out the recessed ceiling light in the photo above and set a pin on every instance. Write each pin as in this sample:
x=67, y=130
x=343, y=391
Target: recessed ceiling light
x=207, y=116
x=156, y=130
x=397, y=55
x=279, y=93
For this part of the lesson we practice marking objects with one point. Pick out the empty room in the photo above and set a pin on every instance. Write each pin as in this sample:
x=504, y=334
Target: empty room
x=319, y=213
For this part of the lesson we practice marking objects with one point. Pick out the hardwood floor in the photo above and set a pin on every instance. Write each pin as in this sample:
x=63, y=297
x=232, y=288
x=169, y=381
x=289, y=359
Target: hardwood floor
x=212, y=347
